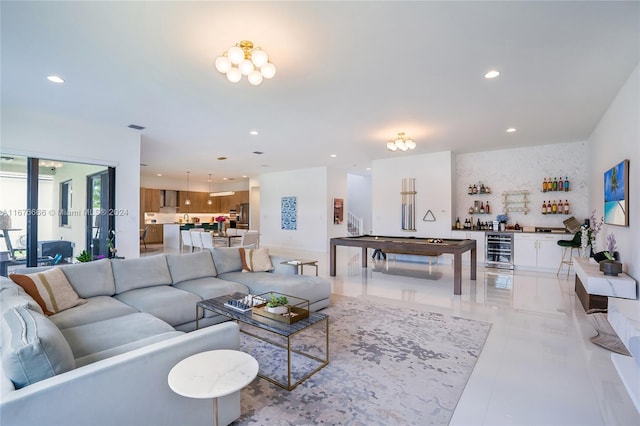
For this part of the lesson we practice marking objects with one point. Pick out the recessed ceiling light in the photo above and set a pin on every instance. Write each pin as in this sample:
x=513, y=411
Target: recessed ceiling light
x=368, y=168
x=245, y=176
x=253, y=132
x=511, y=129
x=159, y=174
x=55, y=79
x=333, y=156
x=492, y=74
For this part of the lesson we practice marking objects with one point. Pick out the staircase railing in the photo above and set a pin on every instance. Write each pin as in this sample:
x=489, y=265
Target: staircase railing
x=355, y=224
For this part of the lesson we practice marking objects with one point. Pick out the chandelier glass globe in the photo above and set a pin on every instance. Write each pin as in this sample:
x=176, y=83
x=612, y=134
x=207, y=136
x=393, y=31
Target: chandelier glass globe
x=268, y=70
x=246, y=67
x=391, y=146
x=259, y=57
x=234, y=75
x=223, y=64
x=255, y=78
x=235, y=54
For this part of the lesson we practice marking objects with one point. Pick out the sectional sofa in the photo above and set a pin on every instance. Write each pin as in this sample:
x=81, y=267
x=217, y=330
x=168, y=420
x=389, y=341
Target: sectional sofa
x=105, y=360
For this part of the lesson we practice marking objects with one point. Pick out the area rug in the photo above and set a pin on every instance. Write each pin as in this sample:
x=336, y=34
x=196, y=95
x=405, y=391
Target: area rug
x=388, y=365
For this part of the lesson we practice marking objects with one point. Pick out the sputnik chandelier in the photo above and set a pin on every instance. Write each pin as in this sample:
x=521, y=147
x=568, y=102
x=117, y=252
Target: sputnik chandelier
x=401, y=142
x=244, y=59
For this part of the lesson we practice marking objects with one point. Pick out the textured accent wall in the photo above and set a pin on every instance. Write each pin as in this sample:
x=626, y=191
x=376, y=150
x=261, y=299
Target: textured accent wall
x=524, y=169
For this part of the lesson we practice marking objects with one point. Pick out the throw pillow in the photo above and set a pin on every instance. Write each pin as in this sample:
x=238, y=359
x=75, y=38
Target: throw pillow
x=33, y=348
x=255, y=260
x=50, y=289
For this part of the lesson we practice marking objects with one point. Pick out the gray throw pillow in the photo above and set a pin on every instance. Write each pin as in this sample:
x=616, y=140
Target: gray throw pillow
x=33, y=348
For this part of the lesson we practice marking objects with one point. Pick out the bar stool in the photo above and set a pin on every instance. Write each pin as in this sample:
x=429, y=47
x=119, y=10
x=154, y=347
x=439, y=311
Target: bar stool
x=575, y=243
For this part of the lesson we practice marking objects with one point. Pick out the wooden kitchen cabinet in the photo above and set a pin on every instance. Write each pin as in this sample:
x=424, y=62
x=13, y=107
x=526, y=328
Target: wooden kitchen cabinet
x=151, y=200
x=155, y=233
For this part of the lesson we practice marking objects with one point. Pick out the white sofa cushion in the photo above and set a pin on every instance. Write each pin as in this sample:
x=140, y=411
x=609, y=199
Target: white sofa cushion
x=226, y=259
x=91, y=279
x=100, y=336
x=33, y=348
x=130, y=274
x=168, y=303
x=98, y=308
x=184, y=267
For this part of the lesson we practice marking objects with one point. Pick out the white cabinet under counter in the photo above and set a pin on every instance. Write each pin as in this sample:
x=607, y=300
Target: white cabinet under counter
x=538, y=251
x=471, y=235
x=171, y=238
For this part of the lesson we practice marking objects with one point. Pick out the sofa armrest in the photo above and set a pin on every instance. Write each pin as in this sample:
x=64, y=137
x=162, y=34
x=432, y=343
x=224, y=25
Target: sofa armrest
x=130, y=388
x=279, y=268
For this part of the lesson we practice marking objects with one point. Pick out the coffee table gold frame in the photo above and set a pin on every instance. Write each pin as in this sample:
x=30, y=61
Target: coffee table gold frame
x=281, y=329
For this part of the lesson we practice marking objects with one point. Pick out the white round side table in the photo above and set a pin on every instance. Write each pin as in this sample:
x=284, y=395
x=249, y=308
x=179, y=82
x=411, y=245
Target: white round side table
x=213, y=374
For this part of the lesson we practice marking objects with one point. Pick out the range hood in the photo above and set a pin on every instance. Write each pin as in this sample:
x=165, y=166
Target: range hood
x=168, y=201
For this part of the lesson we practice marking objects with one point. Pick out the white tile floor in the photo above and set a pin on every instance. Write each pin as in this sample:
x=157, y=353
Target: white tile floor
x=537, y=366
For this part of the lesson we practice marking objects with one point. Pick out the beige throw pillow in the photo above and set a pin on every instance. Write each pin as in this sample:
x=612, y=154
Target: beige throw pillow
x=50, y=289
x=255, y=260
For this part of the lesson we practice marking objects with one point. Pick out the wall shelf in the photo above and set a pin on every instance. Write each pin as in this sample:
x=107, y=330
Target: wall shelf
x=515, y=201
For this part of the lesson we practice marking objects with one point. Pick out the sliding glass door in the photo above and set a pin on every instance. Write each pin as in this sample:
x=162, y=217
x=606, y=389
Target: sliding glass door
x=48, y=209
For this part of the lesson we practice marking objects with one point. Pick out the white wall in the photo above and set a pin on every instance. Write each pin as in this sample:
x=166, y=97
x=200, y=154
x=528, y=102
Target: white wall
x=433, y=176
x=337, y=188
x=615, y=138
x=310, y=188
x=520, y=169
x=359, y=199
x=35, y=134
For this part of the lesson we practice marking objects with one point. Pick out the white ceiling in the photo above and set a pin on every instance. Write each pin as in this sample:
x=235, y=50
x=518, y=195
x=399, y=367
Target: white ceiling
x=350, y=76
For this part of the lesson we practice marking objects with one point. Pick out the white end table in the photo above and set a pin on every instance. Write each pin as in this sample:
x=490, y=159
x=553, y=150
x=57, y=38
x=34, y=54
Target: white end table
x=213, y=374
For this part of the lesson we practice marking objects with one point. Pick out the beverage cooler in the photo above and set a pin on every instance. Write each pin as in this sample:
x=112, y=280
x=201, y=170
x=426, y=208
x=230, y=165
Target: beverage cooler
x=499, y=250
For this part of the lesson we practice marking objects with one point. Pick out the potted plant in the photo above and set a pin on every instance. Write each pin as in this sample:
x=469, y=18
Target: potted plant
x=278, y=304
x=610, y=265
x=84, y=256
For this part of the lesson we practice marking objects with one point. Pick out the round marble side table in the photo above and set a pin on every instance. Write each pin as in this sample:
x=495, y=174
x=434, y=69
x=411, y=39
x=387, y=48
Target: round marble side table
x=213, y=374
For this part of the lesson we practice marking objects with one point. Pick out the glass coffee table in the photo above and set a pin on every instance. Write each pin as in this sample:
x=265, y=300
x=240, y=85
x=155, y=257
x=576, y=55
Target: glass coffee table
x=263, y=328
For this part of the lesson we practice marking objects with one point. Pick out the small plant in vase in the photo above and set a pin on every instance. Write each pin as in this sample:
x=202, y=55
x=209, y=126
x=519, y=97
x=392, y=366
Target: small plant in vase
x=278, y=304
x=610, y=266
x=84, y=256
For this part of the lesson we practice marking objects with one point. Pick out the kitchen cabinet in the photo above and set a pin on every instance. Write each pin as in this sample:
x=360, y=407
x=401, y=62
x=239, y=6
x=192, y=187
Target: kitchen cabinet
x=538, y=251
x=480, y=246
x=151, y=200
x=155, y=234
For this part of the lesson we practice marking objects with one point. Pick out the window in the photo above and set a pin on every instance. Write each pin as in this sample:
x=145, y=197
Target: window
x=65, y=203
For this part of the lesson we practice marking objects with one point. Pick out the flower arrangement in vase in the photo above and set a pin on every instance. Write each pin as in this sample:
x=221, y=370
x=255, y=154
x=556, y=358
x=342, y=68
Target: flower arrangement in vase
x=221, y=220
x=610, y=265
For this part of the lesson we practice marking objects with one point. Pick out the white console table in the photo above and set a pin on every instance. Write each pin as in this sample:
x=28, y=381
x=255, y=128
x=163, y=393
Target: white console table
x=593, y=287
x=624, y=317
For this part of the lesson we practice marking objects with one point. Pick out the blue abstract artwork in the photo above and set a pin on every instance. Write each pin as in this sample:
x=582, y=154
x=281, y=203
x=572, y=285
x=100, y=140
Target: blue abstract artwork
x=289, y=207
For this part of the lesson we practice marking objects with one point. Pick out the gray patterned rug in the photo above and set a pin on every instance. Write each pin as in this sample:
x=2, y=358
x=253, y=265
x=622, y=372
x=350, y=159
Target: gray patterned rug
x=387, y=366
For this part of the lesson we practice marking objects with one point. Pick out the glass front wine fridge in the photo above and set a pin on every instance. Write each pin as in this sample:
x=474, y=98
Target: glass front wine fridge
x=499, y=250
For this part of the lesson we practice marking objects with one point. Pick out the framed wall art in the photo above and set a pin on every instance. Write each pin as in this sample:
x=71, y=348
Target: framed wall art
x=289, y=212
x=616, y=194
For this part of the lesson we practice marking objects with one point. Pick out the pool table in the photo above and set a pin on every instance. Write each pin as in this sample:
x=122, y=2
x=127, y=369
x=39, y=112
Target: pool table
x=410, y=245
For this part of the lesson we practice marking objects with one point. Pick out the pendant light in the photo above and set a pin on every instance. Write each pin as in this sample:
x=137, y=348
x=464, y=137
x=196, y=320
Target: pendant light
x=187, y=202
x=209, y=201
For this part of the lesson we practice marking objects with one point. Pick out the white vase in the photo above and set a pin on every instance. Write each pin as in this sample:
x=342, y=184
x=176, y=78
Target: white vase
x=278, y=310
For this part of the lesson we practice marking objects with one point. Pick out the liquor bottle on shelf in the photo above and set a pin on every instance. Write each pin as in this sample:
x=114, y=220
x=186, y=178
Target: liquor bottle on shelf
x=481, y=207
x=475, y=189
x=544, y=207
x=555, y=184
x=560, y=184
x=554, y=207
x=544, y=185
x=458, y=223
x=478, y=225
x=566, y=183
x=470, y=190
x=566, y=206
x=487, y=208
